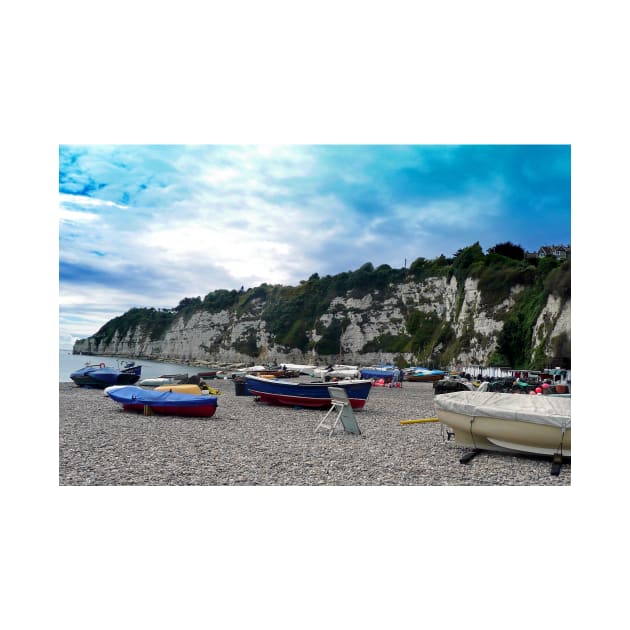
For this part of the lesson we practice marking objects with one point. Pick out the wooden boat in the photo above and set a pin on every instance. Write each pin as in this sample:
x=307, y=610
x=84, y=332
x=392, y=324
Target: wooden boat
x=149, y=401
x=508, y=422
x=425, y=376
x=102, y=376
x=296, y=394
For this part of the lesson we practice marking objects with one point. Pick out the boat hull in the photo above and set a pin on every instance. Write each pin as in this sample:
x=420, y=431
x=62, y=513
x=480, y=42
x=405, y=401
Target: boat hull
x=538, y=425
x=197, y=411
x=164, y=402
x=314, y=395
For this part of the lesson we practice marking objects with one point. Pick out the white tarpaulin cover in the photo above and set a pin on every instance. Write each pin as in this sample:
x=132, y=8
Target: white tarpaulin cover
x=554, y=411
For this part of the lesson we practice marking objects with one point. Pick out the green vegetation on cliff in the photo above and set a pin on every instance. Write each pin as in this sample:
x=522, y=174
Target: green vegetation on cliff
x=292, y=314
x=514, y=344
x=152, y=323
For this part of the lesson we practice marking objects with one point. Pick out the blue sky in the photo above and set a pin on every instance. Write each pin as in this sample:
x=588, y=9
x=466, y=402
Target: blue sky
x=147, y=225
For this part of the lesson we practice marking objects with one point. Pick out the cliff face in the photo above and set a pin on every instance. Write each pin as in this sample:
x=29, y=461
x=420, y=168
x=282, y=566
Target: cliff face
x=226, y=336
x=553, y=323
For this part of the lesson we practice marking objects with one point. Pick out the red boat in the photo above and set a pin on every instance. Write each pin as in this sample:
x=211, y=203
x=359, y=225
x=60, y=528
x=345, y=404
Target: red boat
x=280, y=392
x=208, y=374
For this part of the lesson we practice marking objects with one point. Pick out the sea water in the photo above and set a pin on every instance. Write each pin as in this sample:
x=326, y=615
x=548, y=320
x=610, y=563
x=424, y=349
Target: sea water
x=69, y=363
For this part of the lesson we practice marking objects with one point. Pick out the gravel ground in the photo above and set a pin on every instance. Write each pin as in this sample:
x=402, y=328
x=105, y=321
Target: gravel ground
x=251, y=443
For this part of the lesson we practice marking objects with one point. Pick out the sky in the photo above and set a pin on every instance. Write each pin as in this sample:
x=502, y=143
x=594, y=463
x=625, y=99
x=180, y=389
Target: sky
x=147, y=225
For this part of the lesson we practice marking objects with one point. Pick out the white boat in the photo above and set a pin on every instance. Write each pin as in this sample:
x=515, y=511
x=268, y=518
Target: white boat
x=337, y=371
x=307, y=370
x=508, y=422
x=156, y=382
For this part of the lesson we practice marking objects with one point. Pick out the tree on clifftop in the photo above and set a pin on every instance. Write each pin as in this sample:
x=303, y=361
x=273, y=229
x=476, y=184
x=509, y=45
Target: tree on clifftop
x=509, y=250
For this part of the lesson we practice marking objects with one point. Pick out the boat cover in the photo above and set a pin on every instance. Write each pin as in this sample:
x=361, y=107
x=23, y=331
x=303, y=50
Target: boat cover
x=553, y=411
x=421, y=372
x=131, y=394
x=376, y=373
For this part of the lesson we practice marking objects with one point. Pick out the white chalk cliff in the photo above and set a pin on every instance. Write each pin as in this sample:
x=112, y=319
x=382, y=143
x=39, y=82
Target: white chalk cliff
x=215, y=337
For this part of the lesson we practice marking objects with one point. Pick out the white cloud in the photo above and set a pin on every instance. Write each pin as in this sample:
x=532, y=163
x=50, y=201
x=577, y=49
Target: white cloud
x=83, y=201
x=462, y=212
x=72, y=216
x=216, y=176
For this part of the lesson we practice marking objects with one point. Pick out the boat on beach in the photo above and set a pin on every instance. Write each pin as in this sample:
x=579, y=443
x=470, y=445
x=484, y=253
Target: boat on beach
x=269, y=371
x=170, y=403
x=185, y=388
x=157, y=381
x=102, y=376
x=425, y=376
x=337, y=371
x=300, y=368
x=209, y=374
x=502, y=422
x=279, y=372
x=378, y=372
x=175, y=377
x=316, y=395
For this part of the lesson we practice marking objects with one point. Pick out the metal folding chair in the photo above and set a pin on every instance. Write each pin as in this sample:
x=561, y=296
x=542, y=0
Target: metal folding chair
x=343, y=409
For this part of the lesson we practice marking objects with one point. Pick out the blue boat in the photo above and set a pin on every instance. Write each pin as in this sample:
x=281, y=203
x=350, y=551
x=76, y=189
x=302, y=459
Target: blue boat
x=169, y=403
x=102, y=376
x=377, y=372
x=281, y=392
x=422, y=375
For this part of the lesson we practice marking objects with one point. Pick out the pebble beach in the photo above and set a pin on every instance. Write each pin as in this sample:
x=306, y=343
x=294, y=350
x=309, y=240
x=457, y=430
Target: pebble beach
x=248, y=443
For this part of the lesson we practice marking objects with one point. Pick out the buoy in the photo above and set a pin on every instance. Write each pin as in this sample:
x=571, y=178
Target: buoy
x=418, y=421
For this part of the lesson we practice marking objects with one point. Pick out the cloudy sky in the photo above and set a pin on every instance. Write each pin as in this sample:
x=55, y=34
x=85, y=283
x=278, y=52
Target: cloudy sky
x=147, y=225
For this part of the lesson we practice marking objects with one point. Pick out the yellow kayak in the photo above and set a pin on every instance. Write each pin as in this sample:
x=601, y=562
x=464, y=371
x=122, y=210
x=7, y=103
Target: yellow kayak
x=182, y=389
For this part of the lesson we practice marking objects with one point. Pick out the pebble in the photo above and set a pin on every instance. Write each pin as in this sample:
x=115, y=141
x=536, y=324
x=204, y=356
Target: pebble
x=249, y=443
